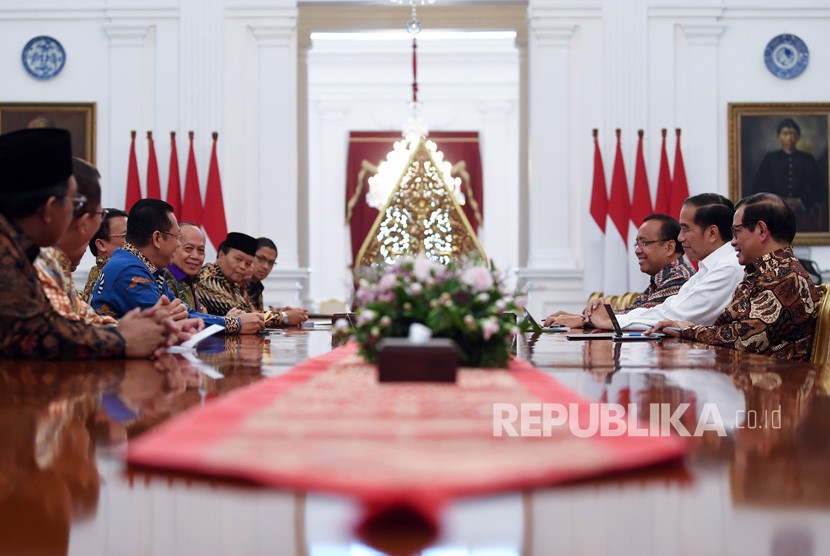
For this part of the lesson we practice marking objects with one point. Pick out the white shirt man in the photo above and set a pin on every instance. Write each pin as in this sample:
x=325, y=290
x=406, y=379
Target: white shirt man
x=705, y=233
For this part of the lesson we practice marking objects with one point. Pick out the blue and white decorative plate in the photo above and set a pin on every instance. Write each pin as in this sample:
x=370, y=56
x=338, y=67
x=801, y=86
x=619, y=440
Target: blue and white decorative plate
x=43, y=57
x=786, y=56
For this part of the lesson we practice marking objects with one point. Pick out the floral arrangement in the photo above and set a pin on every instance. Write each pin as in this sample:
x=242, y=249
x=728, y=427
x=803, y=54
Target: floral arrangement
x=468, y=302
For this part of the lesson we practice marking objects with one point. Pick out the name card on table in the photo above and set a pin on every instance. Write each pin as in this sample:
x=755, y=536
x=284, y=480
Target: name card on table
x=401, y=360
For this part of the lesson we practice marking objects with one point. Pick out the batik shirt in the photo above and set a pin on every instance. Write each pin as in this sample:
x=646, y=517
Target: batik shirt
x=93, y=276
x=218, y=295
x=254, y=290
x=665, y=283
x=54, y=269
x=29, y=325
x=182, y=285
x=130, y=280
x=773, y=311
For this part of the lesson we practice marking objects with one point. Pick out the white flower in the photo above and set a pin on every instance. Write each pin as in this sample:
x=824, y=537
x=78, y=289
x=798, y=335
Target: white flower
x=385, y=321
x=365, y=317
x=341, y=325
x=478, y=278
x=483, y=297
x=416, y=288
x=521, y=301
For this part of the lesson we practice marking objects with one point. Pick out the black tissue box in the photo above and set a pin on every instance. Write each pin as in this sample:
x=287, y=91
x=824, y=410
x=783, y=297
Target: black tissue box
x=400, y=360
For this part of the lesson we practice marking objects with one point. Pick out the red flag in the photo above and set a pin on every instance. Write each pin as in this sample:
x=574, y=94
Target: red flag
x=664, y=185
x=680, y=188
x=599, y=193
x=174, y=183
x=214, y=218
x=641, y=197
x=619, y=207
x=153, y=185
x=192, y=207
x=133, y=185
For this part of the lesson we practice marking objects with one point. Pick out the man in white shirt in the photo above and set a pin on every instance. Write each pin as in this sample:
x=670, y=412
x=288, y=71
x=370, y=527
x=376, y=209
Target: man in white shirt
x=705, y=233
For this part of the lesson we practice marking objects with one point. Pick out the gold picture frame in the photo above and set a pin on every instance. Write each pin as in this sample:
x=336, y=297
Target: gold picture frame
x=77, y=117
x=756, y=154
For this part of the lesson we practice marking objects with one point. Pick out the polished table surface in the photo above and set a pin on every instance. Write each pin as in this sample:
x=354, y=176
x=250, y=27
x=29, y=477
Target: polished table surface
x=764, y=488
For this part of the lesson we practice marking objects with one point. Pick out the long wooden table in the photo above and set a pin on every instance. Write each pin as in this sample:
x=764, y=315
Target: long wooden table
x=762, y=489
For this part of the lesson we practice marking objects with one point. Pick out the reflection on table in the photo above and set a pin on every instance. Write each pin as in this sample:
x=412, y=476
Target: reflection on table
x=761, y=489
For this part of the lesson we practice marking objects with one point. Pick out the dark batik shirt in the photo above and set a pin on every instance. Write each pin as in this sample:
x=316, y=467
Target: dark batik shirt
x=773, y=311
x=255, y=289
x=29, y=325
x=93, y=276
x=664, y=284
x=218, y=295
x=182, y=285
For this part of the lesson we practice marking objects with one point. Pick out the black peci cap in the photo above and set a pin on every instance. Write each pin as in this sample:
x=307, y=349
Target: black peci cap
x=32, y=159
x=243, y=242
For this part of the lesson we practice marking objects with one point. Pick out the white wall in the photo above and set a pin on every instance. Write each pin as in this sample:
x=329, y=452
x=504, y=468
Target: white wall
x=231, y=66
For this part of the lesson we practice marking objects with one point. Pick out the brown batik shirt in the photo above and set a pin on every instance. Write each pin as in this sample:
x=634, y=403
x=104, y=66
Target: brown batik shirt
x=218, y=295
x=773, y=311
x=664, y=284
x=29, y=325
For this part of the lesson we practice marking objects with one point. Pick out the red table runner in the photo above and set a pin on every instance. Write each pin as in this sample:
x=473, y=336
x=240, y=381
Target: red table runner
x=329, y=425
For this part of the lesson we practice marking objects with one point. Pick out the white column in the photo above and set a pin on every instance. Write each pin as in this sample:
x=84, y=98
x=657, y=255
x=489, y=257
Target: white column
x=497, y=133
x=698, y=117
x=274, y=176
x=329, y=128
x=276, y=107
x=201, y=32
x=125, y=70
x=549, y=190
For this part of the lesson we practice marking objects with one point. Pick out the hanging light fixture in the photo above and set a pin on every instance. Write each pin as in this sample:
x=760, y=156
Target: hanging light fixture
x=414, y=128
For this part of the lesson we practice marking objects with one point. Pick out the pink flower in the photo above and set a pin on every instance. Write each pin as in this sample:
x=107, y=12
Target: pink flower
x=423, y=268
x=478, y=278
x=488, y=328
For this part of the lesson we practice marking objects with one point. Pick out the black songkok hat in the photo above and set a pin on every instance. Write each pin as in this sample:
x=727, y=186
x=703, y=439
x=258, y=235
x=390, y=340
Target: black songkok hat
x=788, y=122
x=243, y=242
x=32, y=159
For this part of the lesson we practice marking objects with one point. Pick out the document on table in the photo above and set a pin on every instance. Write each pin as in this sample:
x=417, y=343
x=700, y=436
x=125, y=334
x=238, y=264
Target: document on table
x=190, y=344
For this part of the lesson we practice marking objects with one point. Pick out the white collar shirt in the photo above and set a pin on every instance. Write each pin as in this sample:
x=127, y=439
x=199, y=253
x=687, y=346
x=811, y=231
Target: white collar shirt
x=702, y=298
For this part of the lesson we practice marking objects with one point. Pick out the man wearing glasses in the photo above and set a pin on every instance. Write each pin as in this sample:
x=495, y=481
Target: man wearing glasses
x=265, y=260
x=774, y=309
x=55, y=264
x=135, y=274
x=705, y=233
x=660, y=255
x=37, y=205
x=111, y=235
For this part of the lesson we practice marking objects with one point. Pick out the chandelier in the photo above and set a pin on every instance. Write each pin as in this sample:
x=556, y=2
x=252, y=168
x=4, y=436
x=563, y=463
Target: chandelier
x=414, y=128
x=418, y=200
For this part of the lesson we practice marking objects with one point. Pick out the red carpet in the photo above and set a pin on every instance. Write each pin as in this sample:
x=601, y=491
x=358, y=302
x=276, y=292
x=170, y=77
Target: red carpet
x=328, y=425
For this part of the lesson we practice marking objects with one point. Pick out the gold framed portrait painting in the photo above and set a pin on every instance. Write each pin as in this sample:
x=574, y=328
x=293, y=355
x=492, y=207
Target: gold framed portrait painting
x=78, y=118
x=782, y=148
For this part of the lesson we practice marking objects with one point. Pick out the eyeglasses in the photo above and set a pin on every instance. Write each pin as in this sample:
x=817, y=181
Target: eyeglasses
x=177, y=236
x=116, y=235
x=102, y=212
x=646, y=242
x=78, y=201
x=266, y=260
x=737, y=227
